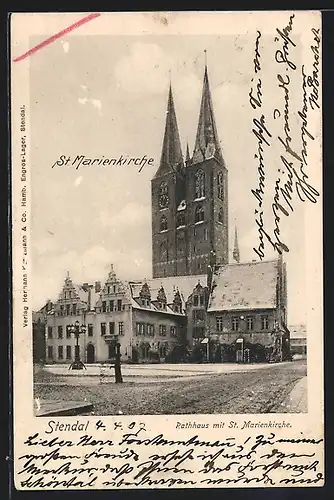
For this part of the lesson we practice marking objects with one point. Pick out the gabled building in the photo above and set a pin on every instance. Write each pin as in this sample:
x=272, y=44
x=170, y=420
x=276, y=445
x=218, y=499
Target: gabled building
x=147, y=320
x=247, y=311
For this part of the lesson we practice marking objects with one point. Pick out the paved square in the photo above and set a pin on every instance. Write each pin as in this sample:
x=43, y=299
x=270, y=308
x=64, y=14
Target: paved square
x=180, y=389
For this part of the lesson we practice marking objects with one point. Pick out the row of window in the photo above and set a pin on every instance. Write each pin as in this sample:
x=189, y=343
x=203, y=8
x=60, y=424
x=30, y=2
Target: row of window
x=68, y=309
x=147, y=329
x=199, y=186
x=112, y=328
x=235, y=323
x=68, y=293
x=60, y=331
x=68, y=352
x=145, y=349
x=198, y=300
x=111, y=305
x=181, y=220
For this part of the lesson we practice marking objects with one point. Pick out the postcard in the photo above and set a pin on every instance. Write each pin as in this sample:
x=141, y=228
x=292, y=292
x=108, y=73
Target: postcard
x=167, y=250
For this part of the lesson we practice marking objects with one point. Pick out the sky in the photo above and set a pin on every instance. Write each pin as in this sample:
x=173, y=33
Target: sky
x=103, y=95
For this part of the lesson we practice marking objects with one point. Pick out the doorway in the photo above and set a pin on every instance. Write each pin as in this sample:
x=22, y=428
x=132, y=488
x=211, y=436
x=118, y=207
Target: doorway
x=90, y=353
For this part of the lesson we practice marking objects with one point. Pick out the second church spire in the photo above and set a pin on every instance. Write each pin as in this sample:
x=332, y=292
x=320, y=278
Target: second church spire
x=207, y=141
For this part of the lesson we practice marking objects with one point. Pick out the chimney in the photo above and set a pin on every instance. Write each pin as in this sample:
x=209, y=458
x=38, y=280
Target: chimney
x=89, y=299
x=97, y=286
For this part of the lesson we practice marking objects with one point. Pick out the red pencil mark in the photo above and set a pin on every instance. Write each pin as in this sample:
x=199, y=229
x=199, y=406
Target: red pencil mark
x=56, y=36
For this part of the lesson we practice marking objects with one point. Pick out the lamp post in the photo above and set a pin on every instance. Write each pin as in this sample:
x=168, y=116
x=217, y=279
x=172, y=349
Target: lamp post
x=76, y=329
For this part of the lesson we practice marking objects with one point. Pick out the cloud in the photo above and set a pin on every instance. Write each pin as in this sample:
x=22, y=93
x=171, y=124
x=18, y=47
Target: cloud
x=78, y=181
x=96, y=103
x=66, y=46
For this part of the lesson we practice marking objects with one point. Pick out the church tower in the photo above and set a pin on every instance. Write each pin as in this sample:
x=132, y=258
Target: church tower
x=190, y=201
x=207, y=195
x=168, y=192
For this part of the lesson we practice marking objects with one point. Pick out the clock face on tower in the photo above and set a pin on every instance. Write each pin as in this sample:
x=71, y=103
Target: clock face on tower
x=163, y=201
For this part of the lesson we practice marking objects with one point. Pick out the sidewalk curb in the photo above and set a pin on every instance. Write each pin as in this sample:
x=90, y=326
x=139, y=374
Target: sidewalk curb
x=296, y=402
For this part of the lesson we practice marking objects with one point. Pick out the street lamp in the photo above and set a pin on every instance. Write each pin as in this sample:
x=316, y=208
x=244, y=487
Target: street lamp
x=76, y=329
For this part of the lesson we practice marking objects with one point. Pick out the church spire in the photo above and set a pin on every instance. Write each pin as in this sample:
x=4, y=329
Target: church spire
x=187, y=154
x=236, y=252
x=207, y=142
x=171, y=155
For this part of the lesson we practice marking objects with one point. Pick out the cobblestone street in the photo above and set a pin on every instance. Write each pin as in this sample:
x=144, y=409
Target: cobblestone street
x=181, y=389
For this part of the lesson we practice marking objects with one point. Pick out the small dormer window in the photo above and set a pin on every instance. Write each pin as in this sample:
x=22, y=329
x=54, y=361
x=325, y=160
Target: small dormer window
x=177, y=302
x=162, y=300
x=145, y=295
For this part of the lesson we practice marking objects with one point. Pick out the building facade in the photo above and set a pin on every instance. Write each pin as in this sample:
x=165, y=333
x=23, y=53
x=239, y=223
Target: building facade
x=247, y=312
x=298, y=335
x=147, y=322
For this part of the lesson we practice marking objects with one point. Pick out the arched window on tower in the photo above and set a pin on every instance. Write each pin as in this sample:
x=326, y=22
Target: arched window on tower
x=163, y=195
x=163, y=189
x=221, y=215
x=163, y=252
x=199, y=214
x=200, y=184
x=220, y=183
x=163, y=224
